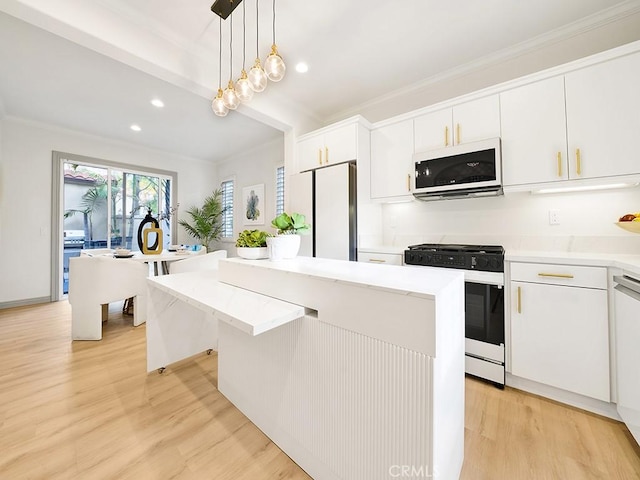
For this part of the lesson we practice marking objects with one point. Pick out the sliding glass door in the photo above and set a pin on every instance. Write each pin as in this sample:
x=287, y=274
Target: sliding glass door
x=102, y=207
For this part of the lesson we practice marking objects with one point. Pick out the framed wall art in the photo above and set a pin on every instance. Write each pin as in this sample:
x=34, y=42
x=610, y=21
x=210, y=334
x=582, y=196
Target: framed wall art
x=253, y=205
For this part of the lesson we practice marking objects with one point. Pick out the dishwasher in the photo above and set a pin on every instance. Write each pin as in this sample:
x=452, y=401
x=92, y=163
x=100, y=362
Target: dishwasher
x=627, y=316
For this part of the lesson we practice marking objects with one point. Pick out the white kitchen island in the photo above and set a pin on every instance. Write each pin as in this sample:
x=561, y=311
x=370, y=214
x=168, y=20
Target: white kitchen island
x=367, y=384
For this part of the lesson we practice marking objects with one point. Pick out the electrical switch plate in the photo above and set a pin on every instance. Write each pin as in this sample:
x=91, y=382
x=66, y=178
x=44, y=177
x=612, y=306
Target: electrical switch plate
x=554, y=217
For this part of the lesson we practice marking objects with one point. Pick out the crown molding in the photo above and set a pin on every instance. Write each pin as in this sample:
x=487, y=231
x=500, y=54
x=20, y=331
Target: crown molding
x=589, y=23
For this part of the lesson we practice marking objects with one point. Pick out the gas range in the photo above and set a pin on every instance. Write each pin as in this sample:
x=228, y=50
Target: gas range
x=485, y=258
x=483, y=267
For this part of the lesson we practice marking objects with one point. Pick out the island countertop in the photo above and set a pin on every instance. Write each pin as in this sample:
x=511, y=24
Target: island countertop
x=393, y=278
x=386, y=302
x=229, y=304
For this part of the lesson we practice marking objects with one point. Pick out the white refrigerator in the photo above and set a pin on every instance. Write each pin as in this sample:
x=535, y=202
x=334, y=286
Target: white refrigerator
x=327, y=197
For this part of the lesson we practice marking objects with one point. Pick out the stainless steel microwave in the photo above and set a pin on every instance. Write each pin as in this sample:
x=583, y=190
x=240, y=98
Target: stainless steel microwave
x=471, y=170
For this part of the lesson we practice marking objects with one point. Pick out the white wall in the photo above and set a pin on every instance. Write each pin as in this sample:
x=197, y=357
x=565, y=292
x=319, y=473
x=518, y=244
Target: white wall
x=25, y=195
x=519, y=221
x=253, y=167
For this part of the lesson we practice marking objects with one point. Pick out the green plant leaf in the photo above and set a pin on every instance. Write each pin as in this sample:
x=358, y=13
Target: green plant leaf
x=206, y=221
x=288, y=224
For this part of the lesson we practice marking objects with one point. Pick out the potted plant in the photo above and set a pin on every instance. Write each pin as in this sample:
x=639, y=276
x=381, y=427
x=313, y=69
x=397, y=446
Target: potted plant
x=252, y=244
x=206, y=223
x=287, y=241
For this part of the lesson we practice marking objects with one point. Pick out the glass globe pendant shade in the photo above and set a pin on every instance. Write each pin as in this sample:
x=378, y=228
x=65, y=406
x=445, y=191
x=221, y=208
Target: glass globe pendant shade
x=257, y=77
x=218, y=105
x=230, y=97
x=274, y=66
x=243, y=87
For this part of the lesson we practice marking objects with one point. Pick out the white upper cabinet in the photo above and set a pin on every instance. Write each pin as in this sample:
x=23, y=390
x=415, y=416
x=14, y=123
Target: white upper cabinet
x=392, y=161
x=476, y=120
x=534, y=140
x=578, y=126
x=433, y=130
x=310, y=153
x=603, y=119
x=328, y=147
x=467, y=122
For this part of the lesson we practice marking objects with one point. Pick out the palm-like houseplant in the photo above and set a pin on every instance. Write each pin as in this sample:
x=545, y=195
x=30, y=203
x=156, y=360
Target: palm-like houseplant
x=206, y=221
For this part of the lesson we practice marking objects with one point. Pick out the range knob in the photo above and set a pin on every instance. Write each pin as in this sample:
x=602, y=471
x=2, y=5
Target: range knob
x=482, y=262
x=413, y=258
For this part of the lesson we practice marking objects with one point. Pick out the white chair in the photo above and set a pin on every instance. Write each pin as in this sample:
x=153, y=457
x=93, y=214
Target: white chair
x=208, y=261
x=94, y=282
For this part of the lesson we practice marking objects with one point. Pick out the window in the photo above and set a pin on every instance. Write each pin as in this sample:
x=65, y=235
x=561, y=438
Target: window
x=227, y=205
x=279, y=190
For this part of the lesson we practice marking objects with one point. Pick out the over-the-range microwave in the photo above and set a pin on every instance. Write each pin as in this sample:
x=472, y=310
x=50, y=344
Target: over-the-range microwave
x=470, y=169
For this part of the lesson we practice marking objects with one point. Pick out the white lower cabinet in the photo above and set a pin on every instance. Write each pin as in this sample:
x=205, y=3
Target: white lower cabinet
x=560, y=327
x=380, y=258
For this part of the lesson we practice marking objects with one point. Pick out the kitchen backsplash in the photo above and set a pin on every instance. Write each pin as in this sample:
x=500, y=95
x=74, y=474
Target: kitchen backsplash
x=518, y=221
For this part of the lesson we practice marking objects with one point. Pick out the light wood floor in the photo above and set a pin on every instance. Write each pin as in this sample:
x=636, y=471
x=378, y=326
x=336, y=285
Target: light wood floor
x=88, y=410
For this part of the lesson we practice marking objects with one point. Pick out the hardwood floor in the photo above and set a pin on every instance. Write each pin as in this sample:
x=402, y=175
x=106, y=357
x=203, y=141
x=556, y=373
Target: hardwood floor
x=88, y=410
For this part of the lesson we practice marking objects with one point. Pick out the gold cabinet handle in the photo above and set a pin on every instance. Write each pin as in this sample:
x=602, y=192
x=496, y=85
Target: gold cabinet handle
x=377, y=260
x=556, y=275
x=560, y=164
x=446, y=136
x=578, y=162
x=519, y=300
x=458, y=133
x=408, y=182
x=326, y=155
x=319, y=156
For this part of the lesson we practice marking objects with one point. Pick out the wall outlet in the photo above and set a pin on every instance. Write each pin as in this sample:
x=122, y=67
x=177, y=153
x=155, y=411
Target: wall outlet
x=554, y=217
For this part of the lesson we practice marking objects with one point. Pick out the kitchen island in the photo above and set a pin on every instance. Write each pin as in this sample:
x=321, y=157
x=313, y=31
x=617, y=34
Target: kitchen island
x=367, y=384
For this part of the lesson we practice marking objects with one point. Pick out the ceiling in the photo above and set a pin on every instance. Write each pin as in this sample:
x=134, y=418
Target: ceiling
x=94, y=66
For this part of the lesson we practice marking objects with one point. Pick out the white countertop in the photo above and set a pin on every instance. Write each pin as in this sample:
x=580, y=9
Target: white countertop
x=398, y=279
x=630, y=263
x=248, y=311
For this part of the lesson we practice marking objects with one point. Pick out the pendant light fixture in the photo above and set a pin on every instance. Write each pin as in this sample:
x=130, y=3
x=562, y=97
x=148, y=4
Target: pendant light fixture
x=243, y=87
x=274, y=66
x=257, y=76
x=230, y=97
x=218, y=105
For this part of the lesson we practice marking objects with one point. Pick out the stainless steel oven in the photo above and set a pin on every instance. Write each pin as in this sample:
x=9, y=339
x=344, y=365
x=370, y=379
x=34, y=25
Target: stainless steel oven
x=483, y=268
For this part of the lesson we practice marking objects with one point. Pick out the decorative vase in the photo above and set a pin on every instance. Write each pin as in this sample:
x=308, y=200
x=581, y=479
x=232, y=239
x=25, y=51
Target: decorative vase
x=283, y=247
x=252, y=253
x=154, y=224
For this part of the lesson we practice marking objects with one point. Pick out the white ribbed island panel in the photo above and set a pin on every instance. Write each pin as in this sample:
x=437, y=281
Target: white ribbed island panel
x=343, y=405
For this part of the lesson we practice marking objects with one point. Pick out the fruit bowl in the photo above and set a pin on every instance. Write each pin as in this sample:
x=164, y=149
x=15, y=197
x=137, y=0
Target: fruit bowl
x=630, y=226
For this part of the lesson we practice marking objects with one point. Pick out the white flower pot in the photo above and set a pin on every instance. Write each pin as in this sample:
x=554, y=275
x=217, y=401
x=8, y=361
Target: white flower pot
x=283, y=247
x=252, y=253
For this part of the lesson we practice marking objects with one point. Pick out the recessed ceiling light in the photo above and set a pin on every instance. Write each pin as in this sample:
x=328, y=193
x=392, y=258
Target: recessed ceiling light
x=302, y=67
x=156, y=102
x=135, y=128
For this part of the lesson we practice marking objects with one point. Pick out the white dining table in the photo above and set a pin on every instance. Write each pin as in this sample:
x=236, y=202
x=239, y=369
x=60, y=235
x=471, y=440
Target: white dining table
x=163, y=259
